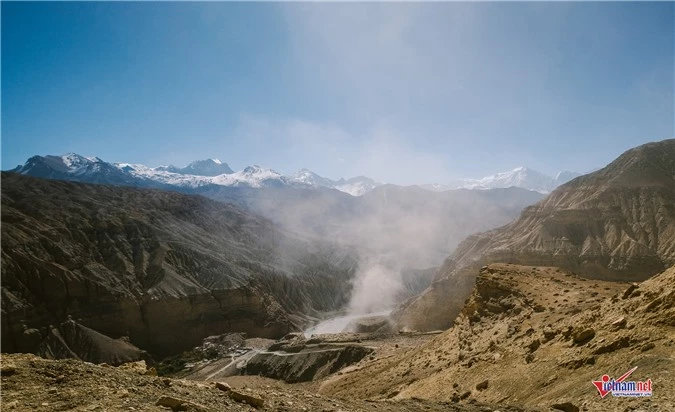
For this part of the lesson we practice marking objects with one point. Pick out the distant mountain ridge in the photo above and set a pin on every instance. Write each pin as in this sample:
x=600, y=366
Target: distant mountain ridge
x=351, y=211
x=207, y=172
x=519, y=177
x=356, y=186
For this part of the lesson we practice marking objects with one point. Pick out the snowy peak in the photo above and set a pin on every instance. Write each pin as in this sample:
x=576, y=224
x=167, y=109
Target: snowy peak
x=74, y=161
x=522, y=177
x=208, y=167
x=255, y=169
x=519, y=177
x=72, y=166
x=307, y=177
x=252, y=176
x=356, y=186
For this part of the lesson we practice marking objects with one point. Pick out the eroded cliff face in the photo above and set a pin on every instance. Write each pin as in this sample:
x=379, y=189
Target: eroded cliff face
x=614, y=224
x=162, y=268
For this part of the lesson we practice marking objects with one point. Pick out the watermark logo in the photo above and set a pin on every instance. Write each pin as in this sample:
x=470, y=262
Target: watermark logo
x=621, y=387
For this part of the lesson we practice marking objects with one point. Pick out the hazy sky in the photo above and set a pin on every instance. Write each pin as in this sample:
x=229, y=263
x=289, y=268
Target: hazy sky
x=404, y=93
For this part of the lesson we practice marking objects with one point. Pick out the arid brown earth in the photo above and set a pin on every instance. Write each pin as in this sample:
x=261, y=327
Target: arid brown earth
x=528, y=338
x=537, y=336
x=30, y=383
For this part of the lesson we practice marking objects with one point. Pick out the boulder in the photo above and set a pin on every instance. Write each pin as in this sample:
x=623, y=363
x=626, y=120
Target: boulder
x=249, y=399
x=565, y=407
x=7, y=369
x=629, y=291
x=619, y=323
x=622, y=342
x=223, y=386
x=138, y=367
x=170, y=402
x=482, y=385
x=177, y=404
x=534, y=345
x=583, y=335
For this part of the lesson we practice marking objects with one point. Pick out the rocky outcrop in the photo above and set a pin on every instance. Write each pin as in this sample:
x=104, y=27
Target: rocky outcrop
x=72, y=340
x=164, y=269
x=614, y=224
x=311, y=363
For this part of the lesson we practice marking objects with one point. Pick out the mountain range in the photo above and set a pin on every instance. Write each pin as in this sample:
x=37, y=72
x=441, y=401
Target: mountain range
x=270, y=252
x=208, y=172
x=167, y=269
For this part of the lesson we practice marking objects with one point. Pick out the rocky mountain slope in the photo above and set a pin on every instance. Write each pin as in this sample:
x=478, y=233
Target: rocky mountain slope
x=162, y=268
x=617, y=223
x=537, y=337
x=380, y=222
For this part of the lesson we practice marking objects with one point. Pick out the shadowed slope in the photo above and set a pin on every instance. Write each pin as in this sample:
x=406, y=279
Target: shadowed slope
x=164, y=268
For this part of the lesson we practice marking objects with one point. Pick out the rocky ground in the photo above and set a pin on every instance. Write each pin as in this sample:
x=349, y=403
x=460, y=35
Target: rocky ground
x=537, y=336
x=30, y=383
x=528, y=338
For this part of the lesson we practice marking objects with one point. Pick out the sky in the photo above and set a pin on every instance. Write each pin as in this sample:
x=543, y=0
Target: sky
x=402, y=92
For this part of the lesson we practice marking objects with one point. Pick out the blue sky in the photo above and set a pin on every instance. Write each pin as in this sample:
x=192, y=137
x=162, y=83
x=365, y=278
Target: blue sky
x=404, y=93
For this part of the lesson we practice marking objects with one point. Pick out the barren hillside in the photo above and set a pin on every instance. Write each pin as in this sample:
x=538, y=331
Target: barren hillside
x=162, y=268
x=537, y=337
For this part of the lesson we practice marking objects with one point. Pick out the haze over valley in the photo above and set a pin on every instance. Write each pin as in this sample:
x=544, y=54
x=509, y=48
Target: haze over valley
x=338, y=207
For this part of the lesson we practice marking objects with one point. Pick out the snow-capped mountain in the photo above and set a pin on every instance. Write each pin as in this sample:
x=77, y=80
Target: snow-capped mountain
x=307, y=177
x=197, y=174
x=207, y=172
x=75, y=167
x=356, y=186
x=252, y=176
x=208, y=167
x=523, y=177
